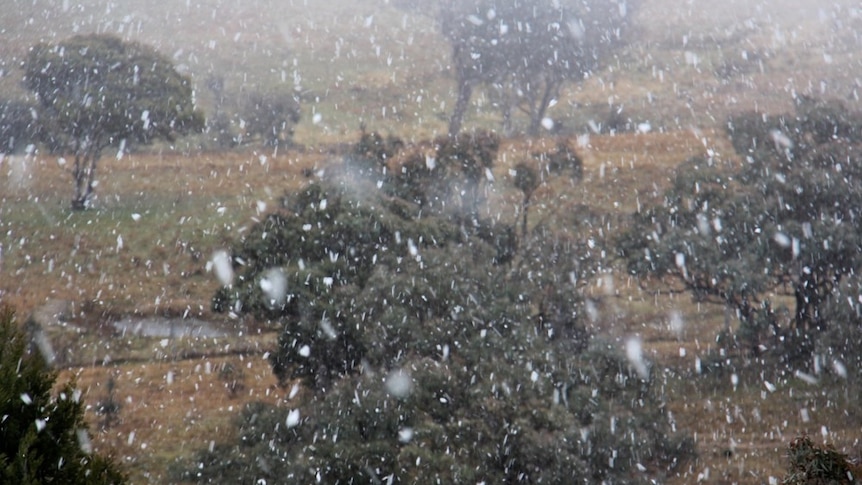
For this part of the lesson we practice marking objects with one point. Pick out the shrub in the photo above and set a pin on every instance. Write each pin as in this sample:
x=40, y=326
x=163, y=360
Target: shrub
x=811, y=464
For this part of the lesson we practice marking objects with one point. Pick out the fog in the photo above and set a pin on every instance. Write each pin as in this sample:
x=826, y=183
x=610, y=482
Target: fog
x=394, y=241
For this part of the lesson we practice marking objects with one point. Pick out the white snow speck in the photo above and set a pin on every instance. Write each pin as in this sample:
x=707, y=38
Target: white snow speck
x=547, y=124
x=676, y=323
x=84, y=440
x=474, y=20
x=292, y=418
x=273, y=284
x=40, y=425
x=634, y=353
x=223, y=268
x=430, y=162
x=169, y=377
x=305, y=351
x=489, y=175
x=119, y=243
x=804, y=376
x=317, y=118
x=644, y=127
x=328, y=330
x=703, y=224
x=136, y=217
x=781, y=140
x=839, y=368
x=26, y=399
x=399, y=384
x=782, y=239
x=769, y=386
x=405, y=435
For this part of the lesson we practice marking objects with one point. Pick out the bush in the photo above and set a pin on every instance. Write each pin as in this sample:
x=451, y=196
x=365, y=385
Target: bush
x=811, y=464
x=268, y=118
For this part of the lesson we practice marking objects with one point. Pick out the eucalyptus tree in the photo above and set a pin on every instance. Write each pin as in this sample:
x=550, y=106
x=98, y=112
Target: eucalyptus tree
x=785, y=220
x=526, y=51
x=97, y=91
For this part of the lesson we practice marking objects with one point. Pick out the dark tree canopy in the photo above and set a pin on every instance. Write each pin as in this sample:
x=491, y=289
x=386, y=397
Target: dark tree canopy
x=428, y=355
x=525, y=51
x=97, y=91
x=43, y=437
x=787, y=219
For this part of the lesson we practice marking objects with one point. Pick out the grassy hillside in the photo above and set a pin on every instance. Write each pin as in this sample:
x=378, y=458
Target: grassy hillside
x=370, y=62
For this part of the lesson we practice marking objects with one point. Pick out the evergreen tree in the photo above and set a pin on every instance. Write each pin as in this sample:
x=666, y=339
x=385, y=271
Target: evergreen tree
x=43, y=436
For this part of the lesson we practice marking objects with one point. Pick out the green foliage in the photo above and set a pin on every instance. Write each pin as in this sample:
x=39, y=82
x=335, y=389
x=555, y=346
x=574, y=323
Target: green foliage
x=97, y=91
x=430, y=358
x=811, y=464
x=269, y=118
x=373, y=151
x=43, y=438
x=532, y=415
x=785, y=218
x=562, y=159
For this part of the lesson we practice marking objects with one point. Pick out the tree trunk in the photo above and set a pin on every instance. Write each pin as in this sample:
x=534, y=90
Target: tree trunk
x=84, y=174
x=538, y=110
x=465, y=92
x=525, y=205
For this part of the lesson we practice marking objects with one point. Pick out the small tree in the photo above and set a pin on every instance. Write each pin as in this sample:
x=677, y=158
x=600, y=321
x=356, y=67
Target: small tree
x=526, y=180
x=784, y=219
x=43, y=438
x=97, y=91
x=270, y=118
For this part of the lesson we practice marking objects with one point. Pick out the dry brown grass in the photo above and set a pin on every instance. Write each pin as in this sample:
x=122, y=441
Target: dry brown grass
x=171, y=409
